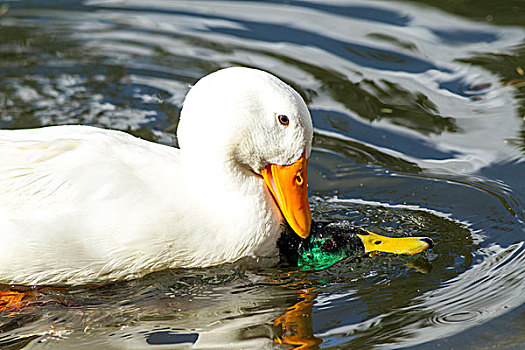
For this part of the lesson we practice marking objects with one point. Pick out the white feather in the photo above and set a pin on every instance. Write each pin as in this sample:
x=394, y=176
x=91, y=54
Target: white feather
x=81, y=205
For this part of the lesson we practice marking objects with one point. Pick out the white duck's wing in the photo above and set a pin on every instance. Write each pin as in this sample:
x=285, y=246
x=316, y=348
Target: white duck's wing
x=73, y=197
x=35, y=173
x=69, y=165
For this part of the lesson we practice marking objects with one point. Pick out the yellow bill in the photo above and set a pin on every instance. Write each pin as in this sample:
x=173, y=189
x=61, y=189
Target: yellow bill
x=401, y=245
x=287, y=183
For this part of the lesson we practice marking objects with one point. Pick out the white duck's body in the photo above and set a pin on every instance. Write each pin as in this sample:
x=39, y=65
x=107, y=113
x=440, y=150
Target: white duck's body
x=82, y=205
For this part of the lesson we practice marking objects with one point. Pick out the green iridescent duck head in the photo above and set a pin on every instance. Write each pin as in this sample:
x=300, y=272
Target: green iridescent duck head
x=330, y=243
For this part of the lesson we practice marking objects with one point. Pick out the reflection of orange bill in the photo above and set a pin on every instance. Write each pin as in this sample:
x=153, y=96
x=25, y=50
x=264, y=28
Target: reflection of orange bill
x=401, y=245
x=287, y=183
x=297, y=324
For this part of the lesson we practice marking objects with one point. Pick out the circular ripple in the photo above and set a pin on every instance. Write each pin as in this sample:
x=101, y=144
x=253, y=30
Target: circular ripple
x=458, y=317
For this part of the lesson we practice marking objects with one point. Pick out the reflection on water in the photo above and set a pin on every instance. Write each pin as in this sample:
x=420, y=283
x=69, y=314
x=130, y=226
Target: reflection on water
x=419, y=130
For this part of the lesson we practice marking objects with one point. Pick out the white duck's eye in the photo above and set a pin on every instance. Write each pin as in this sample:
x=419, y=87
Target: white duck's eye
x=284, y=120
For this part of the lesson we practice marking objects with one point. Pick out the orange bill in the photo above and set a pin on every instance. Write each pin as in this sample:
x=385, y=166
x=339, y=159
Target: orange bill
x=287, y=183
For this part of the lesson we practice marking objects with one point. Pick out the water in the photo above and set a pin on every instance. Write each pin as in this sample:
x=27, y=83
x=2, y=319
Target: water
x=419, y=116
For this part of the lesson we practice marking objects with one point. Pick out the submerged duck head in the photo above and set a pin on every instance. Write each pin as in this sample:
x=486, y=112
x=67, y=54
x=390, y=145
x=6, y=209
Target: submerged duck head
x=241, y=122
x=332, y=242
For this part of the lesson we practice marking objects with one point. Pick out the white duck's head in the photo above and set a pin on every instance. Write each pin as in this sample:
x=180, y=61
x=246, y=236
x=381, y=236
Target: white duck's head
x=250, y=123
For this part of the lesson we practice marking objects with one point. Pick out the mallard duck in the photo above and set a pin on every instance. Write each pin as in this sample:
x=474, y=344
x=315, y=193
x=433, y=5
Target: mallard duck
x=331, y=242
x=81, y=205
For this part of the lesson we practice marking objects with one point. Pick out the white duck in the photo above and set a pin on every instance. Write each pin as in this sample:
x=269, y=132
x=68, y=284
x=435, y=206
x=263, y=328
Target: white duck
x=81, y=205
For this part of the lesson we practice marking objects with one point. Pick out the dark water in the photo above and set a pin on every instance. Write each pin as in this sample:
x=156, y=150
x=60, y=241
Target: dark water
x=419, y=113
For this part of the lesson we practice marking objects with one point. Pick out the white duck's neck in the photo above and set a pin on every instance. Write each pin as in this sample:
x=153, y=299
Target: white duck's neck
x=238, y=215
